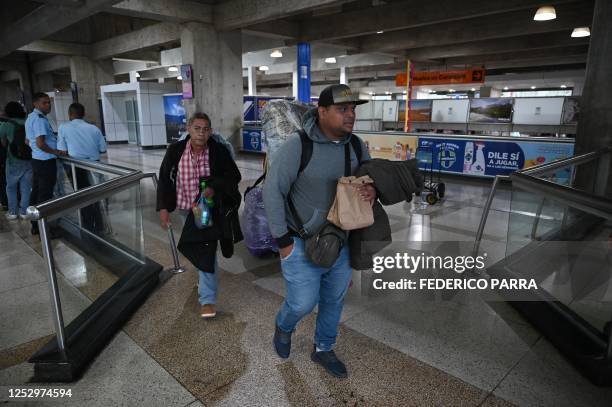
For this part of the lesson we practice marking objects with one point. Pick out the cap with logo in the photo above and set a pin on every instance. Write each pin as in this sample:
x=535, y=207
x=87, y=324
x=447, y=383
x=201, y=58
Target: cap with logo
x=339, y=94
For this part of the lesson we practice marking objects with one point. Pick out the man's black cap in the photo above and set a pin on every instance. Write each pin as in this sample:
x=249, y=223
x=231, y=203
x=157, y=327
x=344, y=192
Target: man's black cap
x=339, y=94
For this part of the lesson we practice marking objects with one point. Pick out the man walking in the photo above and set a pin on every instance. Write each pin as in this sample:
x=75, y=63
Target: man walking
x=83, y=141
x=44, y=152
x=329, y=128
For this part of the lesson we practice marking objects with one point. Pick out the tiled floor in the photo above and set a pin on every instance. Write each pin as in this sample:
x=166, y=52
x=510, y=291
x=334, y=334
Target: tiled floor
x=417, y=349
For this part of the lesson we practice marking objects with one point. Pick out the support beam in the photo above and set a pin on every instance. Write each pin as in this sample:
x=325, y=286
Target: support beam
x=408, y=14
x=235, y=14
x=44, y=21
x=523, y=43
x=518, y=23
x=176, y=11
x=51, y=64
x=280, y=29
x=56, y=47
x=150, y=36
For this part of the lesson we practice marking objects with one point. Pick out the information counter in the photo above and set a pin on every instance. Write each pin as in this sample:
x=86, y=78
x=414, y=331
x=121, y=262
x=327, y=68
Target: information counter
x=470, y=155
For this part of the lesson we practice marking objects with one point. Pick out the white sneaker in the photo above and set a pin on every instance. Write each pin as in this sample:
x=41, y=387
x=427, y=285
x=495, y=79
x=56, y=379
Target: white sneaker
x=23, y=217
x=10, y=216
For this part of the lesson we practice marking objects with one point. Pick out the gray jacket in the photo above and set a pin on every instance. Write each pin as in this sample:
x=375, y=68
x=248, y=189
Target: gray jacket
x=314, y=190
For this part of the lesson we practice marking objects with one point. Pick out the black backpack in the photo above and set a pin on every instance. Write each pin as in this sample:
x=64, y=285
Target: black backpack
x=18, y=147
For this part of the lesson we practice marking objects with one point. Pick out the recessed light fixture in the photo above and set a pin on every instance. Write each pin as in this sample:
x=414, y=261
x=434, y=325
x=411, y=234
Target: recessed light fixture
x=432, y=91
x=506, y=88
x=545, y=13
x=330, y=60
x=379, y=32
x=451, y=90
x=404, y=92
x=533, y=87
x=173, y=69
x=371, y=93
x=137, y=75
x=387, y=93
x=276, y=54
x=473, y=89
x=263, y=68
x=563, y=86
x=580, y=32
x=180, y=78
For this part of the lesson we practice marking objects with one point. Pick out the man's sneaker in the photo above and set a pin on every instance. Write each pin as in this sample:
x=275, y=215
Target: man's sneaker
x=282, y=342
x=23, y=216
x=208, y=311
x=330, y=362
x=10, y=216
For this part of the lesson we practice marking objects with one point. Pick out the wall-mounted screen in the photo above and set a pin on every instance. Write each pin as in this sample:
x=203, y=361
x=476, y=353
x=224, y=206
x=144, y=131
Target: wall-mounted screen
x=491, y=110
x=450, y=111
x=538, y=111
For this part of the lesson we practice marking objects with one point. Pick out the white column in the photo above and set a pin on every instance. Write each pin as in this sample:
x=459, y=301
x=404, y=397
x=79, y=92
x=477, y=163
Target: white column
x=133, y=77
x=343, y=77
x=295, y=81
x=252, y=79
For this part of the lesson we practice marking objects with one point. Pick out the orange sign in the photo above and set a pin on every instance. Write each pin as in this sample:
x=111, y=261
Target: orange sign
x=476, y=75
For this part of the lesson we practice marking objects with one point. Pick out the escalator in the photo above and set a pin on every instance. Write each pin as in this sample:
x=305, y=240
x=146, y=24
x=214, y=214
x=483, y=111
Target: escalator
x=560, y=235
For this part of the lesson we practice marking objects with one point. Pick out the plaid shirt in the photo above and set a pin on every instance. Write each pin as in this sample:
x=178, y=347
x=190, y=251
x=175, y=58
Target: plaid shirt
x=191, y=168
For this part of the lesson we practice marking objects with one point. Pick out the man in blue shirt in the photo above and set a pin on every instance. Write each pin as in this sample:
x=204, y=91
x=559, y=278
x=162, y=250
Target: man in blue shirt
x=44, y=152
x=83, y=141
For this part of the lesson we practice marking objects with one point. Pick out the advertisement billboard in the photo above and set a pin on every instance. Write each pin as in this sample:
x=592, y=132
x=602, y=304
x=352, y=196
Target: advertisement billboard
x=476, y=75
x=489, y=157
x=174, y=113
x=390, y=147
x=491, y=110
x=252, y=140
x=187, y=81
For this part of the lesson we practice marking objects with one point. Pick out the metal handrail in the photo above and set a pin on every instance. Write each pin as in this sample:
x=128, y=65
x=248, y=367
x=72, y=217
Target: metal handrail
x=99, y=166
x=485, y=213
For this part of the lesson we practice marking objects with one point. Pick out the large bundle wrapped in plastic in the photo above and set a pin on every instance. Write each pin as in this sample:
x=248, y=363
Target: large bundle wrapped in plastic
x=279, y=120
x=257, y=236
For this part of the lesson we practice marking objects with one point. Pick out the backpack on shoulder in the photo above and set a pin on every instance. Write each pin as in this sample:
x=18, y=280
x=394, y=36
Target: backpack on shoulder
x=18, y=147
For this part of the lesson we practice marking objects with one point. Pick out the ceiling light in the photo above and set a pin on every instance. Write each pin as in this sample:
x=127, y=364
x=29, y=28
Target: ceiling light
x=505, y=88
x=545, y=13
x=387, y=93
x=180, y=78
x=563, y=86
x=473, y=89
x=379, y=32
x=533, y=87
x=263, y=68
x=432, y=91
x=371, y=93
x=451, y=90
x=330, y=60
x=581, y=32
x=404, y=92
x=173, y=69
x=276, y=54
x=137, y=75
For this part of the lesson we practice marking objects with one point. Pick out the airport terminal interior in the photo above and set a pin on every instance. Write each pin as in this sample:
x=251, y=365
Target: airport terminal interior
x=505, y=107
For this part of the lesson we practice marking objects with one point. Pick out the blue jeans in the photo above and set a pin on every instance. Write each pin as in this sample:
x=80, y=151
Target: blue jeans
x=18, y=175
x=207, y=282
x=309, y=285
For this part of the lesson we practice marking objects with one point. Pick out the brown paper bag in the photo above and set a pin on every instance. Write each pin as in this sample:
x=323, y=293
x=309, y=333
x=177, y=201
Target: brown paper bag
x=349, y=211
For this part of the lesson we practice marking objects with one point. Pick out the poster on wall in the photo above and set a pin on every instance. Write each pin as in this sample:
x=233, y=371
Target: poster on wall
x=248, y=108
x=187, y=81
x=491, y=158
x=174, y=113
x=252, y=140
x=571, y=110
x=390, y=147
x=491, y=110
x=420, y=110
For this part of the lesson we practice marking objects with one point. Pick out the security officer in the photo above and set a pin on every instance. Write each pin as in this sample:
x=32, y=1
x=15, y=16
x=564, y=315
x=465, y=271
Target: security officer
x=83, y=141
x=42, y=140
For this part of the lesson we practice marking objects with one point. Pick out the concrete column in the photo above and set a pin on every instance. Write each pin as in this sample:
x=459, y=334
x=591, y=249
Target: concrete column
x=160, y=80
x=343, y=76
x=83, y=72
x=252, y=80
x=595, y=123
x=216, y=60
x=294, y=81
x=45, y=82
x=485, y=91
